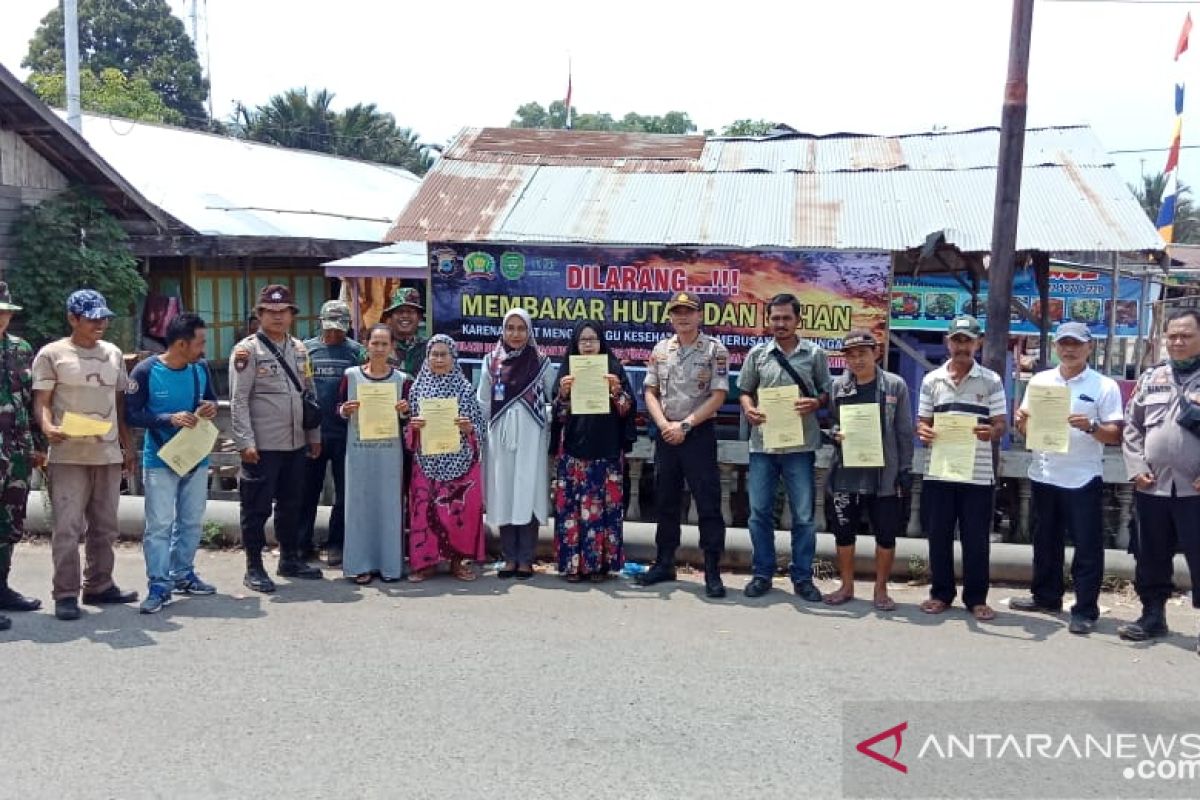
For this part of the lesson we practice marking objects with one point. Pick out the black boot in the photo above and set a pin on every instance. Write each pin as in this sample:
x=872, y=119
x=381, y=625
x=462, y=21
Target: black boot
x=11, y=600
x=1152, y=624
x=257, y=579
x=293, y=565
x=5, y=623
x=713, y=587
x=663, y=569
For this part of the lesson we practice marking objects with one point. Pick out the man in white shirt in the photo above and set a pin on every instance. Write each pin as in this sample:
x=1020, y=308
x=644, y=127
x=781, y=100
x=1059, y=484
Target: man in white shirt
x=1068, y=489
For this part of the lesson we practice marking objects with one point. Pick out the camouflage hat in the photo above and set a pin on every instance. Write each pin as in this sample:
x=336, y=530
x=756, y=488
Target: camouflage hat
x=6, y=303
x=683, y=299
x=965, y=325
x=89, y=304
x=402, y=297
x=276, y=297
x=859, y=337
x=335, y=316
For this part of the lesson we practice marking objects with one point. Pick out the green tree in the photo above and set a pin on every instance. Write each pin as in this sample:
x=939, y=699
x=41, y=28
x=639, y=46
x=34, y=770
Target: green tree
x=748, y=127
x=140, y=39
x=1187, y=219
x=65, y=243
x=109, y=93
x=534, y=115
x=307, y=121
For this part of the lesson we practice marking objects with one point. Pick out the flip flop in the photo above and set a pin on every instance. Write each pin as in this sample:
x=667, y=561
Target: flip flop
x=885, y=604
x=837, y=598
x=364, y=579
x=935, y=606
x=983, y=613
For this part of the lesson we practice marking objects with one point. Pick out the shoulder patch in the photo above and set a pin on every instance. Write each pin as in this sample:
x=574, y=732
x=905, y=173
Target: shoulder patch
x=131, y=387
x=241, y=358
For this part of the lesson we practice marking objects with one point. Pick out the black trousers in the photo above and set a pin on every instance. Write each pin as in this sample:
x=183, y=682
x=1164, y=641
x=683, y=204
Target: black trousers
x=968, y=507
x=1060, y=513
x=1165, y=524
x=333, y=454
x=276, y=480
x=694, y=460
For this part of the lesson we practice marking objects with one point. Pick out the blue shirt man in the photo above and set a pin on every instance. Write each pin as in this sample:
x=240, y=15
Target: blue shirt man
x=165, y=394
x=330, y=354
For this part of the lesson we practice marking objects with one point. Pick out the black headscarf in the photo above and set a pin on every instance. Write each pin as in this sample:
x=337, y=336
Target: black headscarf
x=594, y=435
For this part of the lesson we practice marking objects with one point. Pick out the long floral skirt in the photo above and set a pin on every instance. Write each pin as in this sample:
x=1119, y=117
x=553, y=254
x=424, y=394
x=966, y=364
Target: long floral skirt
x=589, y=515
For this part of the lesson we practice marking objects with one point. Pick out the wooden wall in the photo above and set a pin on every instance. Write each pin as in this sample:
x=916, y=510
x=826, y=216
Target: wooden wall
x=25, y=179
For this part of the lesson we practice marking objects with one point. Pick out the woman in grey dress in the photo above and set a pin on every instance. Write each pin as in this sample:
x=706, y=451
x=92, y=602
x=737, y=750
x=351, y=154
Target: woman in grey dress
x=374, y=472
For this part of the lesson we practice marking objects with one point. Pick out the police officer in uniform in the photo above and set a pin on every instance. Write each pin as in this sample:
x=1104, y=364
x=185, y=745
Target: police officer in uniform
x=686, y=382
x=268, y=430
x=22, y=449
x=1162, y=456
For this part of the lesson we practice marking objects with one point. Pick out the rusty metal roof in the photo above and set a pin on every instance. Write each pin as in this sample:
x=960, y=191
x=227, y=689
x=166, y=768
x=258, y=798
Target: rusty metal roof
x=842, y=192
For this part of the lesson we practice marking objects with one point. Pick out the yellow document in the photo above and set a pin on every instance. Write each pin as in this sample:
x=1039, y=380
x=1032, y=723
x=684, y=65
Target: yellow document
x=862, y=432
x=377, y=411
x=953, y=454
x=78, y=425
x=1047, y=429
x=440, y=435
x=784, y=427
x=189, y=446
x=589, y=394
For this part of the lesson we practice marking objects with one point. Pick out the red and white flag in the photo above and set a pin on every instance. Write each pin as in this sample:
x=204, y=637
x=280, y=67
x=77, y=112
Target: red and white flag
x=568, y=101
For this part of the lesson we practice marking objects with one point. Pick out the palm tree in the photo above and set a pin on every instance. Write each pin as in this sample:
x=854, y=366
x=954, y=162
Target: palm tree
x=1187, y=219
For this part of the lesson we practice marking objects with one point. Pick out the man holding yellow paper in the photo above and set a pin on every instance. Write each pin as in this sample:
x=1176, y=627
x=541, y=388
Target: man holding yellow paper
x=872, y=463
x=167, y=394
x=802, y=367
x=1068, y=490
x=961, y=387
x=83, y=374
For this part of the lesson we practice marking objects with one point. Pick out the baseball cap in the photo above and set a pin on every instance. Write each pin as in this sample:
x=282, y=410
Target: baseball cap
x=1073, y=330
x=335, y=316
x=404, y=296
x=89, y=304
x=859, y=337
x=965, y=325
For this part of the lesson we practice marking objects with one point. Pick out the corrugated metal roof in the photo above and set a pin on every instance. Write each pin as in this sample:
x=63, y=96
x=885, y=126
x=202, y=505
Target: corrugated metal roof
x=848, y=193
x=222, y=186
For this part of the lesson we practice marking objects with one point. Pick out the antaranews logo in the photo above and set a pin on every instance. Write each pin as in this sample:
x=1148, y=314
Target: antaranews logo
x=895, y=732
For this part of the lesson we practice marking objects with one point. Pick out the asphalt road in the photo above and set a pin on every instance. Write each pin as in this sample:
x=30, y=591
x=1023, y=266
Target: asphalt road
x=507, y=689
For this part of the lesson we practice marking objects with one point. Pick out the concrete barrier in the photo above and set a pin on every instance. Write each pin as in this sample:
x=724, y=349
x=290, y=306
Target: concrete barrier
x=1010, y=563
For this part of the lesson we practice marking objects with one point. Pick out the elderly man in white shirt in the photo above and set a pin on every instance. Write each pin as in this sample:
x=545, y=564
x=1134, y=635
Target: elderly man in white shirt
x=1068, y=487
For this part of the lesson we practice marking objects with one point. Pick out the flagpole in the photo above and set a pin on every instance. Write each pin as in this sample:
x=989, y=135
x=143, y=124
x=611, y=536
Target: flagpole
x=568, y=101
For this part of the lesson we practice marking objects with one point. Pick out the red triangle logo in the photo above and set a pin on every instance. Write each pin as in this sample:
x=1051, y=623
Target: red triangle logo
x=896, y=733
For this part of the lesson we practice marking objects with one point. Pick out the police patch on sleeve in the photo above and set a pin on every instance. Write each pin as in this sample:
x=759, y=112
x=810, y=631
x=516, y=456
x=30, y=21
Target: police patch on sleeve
x=722, y=365
x=241, y=358
x=131, y=387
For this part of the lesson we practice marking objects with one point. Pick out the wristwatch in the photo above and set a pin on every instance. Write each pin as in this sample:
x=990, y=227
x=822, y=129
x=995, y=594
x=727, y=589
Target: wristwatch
x=1092, y=427
x=686, y=427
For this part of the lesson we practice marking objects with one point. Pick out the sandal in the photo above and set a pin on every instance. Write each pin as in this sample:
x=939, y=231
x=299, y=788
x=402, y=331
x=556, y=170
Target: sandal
x=884, y=604
x=364, y=579
x=838, y=598
x=983, y=613
x=507, y=572
x=935, y=606
x=463, y=572
x=419, y=575
x=598, y=577
x=573, y=577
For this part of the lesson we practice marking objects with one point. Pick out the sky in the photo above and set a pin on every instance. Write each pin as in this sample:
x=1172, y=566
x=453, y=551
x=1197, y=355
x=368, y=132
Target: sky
x=821, y=66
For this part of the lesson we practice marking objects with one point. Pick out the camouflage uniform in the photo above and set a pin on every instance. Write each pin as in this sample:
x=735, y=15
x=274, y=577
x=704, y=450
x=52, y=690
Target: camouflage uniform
x=19, y=439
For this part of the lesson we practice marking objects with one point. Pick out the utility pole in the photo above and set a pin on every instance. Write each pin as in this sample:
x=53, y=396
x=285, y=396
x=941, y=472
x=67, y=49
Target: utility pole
x=71, y=50
x=1008, y=189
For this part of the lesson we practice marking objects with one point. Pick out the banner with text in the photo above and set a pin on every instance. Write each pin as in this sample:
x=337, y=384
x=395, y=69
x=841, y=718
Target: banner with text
x=929, y=302
x=626, y=291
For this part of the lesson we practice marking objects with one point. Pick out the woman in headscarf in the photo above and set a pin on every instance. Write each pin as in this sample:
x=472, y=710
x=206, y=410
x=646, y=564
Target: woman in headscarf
x=589, y=504
x=515, y=385
x=446, y=492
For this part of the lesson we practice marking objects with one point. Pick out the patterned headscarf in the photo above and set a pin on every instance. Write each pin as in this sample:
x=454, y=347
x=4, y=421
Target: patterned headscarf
x=519, y=371
x=453, y=384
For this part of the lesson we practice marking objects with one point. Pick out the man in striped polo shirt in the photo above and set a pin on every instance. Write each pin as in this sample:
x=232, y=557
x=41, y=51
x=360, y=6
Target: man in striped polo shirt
x=961, y=386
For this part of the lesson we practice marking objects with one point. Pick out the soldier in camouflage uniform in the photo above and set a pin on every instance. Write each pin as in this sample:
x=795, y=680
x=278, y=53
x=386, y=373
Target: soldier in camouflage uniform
x=22, y=448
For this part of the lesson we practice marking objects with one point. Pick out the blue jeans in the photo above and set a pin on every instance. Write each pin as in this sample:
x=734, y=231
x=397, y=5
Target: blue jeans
x=174, y=516
x=796, y=469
